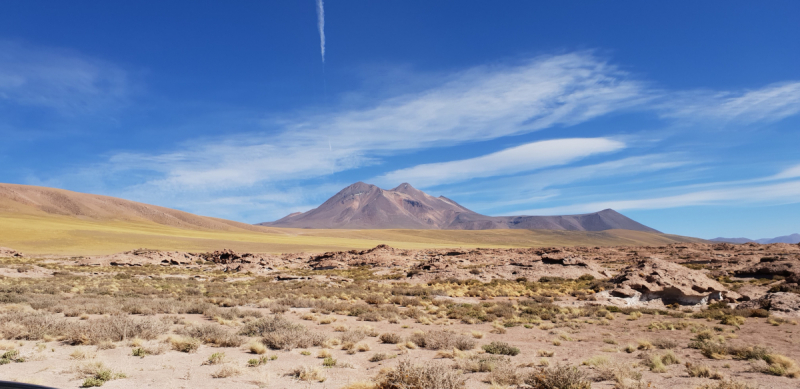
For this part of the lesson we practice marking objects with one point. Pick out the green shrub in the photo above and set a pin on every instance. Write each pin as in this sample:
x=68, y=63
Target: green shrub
x=329, y=362
x=91, y=382
x=501, y=348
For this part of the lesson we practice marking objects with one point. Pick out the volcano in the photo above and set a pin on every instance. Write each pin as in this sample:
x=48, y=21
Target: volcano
x=365, y=206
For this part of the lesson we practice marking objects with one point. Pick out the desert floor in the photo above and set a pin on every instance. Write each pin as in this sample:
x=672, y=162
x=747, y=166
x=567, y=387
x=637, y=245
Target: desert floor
x=71, y=322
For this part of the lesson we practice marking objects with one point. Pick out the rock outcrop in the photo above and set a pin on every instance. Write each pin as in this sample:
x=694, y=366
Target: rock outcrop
x=774, y=266
x=788, y=303
x=656, y=279
x=6, y=252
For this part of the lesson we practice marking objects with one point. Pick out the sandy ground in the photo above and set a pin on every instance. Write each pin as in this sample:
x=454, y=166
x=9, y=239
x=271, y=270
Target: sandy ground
x=52, y=364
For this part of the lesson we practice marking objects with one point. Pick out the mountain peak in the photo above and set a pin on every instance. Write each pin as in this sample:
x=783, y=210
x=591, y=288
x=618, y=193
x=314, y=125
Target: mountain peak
x=365, y=206
x=358, y=187
x=407, y=189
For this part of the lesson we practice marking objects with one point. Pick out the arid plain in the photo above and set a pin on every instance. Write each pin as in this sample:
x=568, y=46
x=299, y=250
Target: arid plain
x=99, y=291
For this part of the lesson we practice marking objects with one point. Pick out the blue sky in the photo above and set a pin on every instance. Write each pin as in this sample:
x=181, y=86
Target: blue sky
x=682, y=115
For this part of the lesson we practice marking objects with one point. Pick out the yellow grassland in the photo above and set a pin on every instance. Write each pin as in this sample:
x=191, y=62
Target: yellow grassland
x=59, y=234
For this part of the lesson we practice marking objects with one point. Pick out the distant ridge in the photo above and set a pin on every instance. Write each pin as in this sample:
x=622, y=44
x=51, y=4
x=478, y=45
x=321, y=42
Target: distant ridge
x=792, y=239
x=365, y=206
x=41, y=201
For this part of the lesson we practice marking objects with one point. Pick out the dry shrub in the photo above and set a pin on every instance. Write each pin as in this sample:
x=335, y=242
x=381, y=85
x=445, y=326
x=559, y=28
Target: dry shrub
x=665, y=343
x=31, y=325
x=505, y=373
x=437, y=340
x=360, y=385
x=150, y=350
x=308, y=373
x=291, y=338
x=230, y=313
x=184, y=344
x=212, y=334
x=353, y=336
x=266, y=325
x=377, y=357
x=704, y=341
x=620, y=372
x=657, y=362
x=322, y=354
x=362, y=347
x=281, y=334
x=481, y=362
x=557, y=377
x=702, y=371
x=340, y=328
x=106, y=345
x=257, y=347
x=113, y=328
x=596, y=361
x=81, y=354
x=278, y=308
x=431, y=375
x=780, y=365
x=727, y=384
x=226, y=371
x=390, y=338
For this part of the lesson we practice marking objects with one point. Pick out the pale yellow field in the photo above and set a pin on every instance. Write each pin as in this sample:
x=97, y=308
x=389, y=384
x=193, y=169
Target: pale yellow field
x=55, y=234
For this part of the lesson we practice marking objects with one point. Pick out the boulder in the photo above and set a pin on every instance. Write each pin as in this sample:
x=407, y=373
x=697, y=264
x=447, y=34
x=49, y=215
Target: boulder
x=656, y=279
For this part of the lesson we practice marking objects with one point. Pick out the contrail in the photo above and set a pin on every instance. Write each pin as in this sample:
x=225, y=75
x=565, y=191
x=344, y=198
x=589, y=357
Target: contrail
x=321, y=27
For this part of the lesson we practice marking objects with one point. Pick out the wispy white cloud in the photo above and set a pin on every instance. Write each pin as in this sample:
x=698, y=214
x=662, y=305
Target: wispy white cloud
x=479, y=104
x=780, y=193
x=526, y=157
x=792, y=172
x=59, y=79
x=507, y=195
x=771, y=103
x=321, y=28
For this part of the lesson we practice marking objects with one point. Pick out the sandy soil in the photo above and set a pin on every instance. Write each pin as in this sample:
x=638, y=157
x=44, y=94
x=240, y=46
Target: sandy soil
x=52, y=365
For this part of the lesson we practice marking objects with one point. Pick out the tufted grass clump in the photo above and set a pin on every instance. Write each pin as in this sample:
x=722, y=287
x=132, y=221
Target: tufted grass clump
x=226, y=370
x=308, y=373
x=658, y=362
x=184, y=344
x=257, y=347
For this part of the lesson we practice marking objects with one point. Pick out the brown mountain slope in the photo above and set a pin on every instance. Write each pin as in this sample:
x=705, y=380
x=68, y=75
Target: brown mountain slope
x=365, y=206
x=41, y=201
